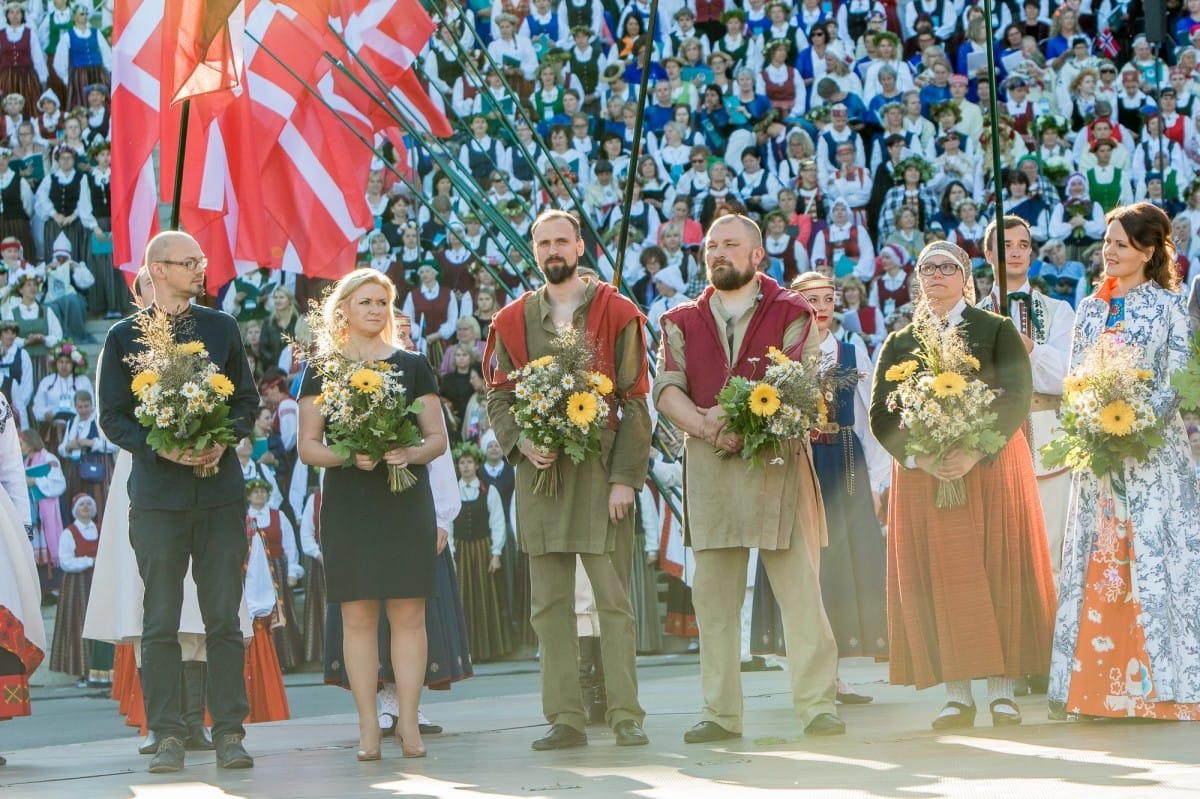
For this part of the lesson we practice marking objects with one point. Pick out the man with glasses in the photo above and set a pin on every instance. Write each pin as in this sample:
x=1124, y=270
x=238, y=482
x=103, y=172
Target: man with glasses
x=176, y=517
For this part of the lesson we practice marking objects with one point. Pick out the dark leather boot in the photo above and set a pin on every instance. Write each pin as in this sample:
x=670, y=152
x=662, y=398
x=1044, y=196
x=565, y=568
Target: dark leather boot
x=587, y=676
x=195, y=682
x=150, y=744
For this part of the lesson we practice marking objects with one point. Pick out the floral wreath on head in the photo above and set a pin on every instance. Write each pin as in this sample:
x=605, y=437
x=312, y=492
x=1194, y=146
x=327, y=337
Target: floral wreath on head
x=77, y=357
x=913, y=162
x=468, y=449
x=1055, y=122
x=946, y=106
x=257, y=482
x=818, y=113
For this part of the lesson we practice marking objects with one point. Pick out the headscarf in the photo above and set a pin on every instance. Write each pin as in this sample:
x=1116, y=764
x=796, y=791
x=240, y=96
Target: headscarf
x=959, y=255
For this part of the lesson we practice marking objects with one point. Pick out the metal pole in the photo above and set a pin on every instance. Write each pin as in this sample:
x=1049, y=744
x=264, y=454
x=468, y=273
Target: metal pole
x=177, y=197
x=635, y=149
x=1001, y=275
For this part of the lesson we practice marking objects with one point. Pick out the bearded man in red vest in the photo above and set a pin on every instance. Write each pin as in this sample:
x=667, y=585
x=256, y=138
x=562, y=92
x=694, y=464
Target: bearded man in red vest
x=731, y=506
x=592, y=516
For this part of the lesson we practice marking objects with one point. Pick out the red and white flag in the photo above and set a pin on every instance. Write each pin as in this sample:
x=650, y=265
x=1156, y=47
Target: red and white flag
x=202, y=47
x=137, y=56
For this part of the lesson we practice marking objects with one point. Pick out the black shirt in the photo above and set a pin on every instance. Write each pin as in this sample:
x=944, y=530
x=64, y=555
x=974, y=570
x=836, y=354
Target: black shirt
x=157, y=483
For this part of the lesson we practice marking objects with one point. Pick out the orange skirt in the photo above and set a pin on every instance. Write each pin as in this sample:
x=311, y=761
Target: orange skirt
x=127, y=688
x=970, y=591
x=264, y=679
x=1113, y=677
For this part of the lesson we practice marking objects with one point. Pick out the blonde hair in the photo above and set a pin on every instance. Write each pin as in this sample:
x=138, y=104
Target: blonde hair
x=333, y=315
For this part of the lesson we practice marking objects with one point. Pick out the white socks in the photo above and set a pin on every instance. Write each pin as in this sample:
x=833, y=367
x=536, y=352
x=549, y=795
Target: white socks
x=960, y=691
x=1001, y=688
x=387, y=699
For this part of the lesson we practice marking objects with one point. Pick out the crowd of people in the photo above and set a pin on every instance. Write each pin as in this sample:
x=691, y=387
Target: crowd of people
x=839, y=151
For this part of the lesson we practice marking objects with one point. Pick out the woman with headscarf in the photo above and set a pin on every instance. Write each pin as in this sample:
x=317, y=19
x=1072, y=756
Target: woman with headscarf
x=1078, y=220
x=970, y=591
x=1127, y=636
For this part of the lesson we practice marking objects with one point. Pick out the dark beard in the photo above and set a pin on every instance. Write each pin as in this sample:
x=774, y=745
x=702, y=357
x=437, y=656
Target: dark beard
x=728, y=278
x=559, y=271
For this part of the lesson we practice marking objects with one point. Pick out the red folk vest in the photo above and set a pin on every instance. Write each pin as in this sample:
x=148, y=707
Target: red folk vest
x=706, y=368
x=272, y=535
x=607, y=316
x=83, y=547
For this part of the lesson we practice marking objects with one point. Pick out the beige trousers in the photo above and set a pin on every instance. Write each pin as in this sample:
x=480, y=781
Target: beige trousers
x=552, y=614
x=717, y=594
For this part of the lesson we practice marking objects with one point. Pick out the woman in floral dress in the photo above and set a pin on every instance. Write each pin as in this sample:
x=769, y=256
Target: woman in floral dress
x=1127, y=636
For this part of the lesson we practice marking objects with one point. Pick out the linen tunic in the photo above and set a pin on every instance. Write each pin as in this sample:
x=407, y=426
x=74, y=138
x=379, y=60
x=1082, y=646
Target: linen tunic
x=577, y=519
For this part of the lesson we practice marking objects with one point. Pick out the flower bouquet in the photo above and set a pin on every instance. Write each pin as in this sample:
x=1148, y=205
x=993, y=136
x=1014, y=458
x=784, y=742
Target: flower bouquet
x=784, y=404
x=181, y=394
x=67, y=349
x=560, y=405
x=942, y=404
x=1106, y=412
x=365, y=410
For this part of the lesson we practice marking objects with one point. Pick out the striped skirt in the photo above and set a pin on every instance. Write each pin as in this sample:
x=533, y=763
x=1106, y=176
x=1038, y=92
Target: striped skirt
x=481, y=591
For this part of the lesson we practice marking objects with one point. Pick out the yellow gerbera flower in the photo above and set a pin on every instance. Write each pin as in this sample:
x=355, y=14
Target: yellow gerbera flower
x=319, y=400
x=545, y=360
x=764, y=400
x=1144, y=374
x=1116, y=418
x=949, y=384
x=143, y=381
x=972, y=362
x=581, y=409
x=601, y=383
x=221, y=384
x=366, y=380
x=775, y=355
x=900, y=372
x=1073, y=384
x=193, y=348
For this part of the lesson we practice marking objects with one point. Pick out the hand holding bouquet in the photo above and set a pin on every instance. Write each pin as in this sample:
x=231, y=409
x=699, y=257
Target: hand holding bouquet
x=1106, y=412
x=366, y=412
x=941, y=403
x=560, y=405
x=181, y=393
x=783, y=405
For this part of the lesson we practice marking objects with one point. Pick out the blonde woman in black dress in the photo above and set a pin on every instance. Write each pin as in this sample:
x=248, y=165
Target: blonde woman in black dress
x=378, y=547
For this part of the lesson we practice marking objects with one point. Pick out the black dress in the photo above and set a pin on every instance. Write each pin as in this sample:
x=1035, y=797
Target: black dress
x=376, y=544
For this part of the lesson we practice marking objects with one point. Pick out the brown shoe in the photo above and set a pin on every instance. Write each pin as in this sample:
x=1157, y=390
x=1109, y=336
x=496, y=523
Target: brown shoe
x=169, y=758
x=231, y=753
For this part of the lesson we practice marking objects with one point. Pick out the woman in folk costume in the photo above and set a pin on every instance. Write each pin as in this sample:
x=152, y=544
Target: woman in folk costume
x=434, y=309
x=115, y=613
x=111, y=296
x=90, y=661
x=280, y=540
x=853, y=471
x=82, y=57
x=477, y=537
x=46, y=483
x=22, y=634
x=1078, y=220
x=40, y=329
x=1127, y=637
x=24, y=68
x=970, y=592
x=264, y=679
x=64, y=201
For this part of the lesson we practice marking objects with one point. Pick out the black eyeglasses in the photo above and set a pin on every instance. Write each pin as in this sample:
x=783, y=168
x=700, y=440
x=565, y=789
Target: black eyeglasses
x=943, y=268
x=190, y=264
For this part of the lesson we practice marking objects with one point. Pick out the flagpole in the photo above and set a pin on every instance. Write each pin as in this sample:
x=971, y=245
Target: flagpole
x=635, y=150
x=1001, y=273
x=177, y=196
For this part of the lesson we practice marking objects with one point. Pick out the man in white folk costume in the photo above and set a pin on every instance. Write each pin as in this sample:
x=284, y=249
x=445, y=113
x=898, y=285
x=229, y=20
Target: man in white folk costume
x=1046, y=326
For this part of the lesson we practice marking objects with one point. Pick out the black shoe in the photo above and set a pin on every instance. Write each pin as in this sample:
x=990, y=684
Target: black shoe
x=150, y=745
x=561, y=736
x=231, y=753
x=3, y=762
x=428, y=729
x=963, y=717
x=630, y=733
x=198, y=740
x=707, y=732
x=1005, y=719
x=825, y=724
x=852, y=698
x=1056, y=711
x=1039, y=684
x=169, y=758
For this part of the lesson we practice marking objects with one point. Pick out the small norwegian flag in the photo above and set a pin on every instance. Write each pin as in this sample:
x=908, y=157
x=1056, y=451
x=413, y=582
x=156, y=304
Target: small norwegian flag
x=1106, y=43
